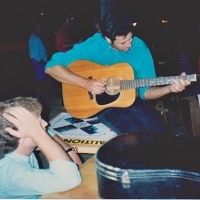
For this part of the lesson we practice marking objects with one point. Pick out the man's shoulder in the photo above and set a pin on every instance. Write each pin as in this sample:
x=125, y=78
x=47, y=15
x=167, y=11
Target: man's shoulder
x=8, y=159
x=95, y=39
x=138, y=40
x=98, y=36
x=95, y=36
x=138, y=43
x=91, y=42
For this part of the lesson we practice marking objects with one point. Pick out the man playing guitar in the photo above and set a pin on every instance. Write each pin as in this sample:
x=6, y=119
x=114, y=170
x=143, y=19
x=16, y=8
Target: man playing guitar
x=117, y=44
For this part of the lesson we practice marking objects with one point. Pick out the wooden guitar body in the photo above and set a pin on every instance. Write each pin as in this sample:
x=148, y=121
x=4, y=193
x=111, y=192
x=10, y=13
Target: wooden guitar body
x=82, y=104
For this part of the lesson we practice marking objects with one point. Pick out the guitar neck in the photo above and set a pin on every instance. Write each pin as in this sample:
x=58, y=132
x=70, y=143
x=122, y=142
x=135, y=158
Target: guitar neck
x=148, y=82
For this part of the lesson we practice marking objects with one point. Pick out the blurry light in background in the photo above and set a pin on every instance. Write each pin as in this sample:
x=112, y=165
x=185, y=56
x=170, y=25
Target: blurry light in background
x=135, y=24
x=42, y=14
x=164, y=21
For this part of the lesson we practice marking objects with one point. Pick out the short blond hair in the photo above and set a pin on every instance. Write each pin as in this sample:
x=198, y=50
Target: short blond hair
x=9, y=143
x=31, y=104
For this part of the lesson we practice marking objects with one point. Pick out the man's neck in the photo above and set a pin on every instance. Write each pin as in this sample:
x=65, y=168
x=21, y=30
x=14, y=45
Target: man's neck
x=26, y=151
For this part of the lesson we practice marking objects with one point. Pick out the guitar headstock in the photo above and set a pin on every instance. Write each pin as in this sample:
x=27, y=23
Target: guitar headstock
x=190, y=77
x=198, y=76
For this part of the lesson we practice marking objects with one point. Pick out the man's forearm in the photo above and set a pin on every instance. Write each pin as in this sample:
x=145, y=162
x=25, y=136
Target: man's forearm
x=156, y=92
x=176, y=87
x=72, y=154
x=51, y=149
x=63, y=75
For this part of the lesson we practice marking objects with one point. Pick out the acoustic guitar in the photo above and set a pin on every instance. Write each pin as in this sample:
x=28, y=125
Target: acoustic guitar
x=120, y=90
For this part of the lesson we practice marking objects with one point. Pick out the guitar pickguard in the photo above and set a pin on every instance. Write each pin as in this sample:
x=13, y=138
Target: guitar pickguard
x=104, y=98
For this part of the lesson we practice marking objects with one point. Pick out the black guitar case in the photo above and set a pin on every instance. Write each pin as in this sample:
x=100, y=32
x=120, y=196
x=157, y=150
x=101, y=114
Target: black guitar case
x=149, y=166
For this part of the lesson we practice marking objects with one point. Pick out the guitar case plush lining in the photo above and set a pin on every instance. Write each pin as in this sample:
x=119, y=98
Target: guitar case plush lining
x=149, y=165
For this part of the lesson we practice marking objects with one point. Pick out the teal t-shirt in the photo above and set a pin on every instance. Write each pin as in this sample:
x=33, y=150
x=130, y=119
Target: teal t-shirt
x=98, y=50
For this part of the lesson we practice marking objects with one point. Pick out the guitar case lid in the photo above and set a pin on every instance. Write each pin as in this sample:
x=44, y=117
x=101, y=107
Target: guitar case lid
x=151, y=151
x=149, y=165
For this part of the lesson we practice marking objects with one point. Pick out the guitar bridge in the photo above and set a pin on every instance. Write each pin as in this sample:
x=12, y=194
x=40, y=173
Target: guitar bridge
x=90, y=93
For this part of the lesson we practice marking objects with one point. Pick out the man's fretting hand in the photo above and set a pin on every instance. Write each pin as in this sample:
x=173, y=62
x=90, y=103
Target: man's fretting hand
x=179, y=85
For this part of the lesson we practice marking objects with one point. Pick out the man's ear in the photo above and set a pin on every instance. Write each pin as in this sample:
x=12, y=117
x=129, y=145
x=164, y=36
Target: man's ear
x=24, y=141
x=108, y=40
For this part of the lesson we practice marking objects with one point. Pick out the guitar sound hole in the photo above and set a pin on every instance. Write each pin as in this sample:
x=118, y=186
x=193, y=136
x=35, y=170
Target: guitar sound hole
x=104, y=98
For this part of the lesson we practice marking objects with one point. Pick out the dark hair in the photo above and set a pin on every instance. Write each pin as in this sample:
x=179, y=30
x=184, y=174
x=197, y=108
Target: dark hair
x=114, y=24
x=9, y=143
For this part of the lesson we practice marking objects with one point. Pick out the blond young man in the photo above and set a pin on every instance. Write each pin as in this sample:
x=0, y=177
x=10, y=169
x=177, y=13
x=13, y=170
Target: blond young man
x=22, y=130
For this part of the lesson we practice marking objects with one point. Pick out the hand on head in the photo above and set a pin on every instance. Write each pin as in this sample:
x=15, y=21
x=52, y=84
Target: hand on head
x=26, y=123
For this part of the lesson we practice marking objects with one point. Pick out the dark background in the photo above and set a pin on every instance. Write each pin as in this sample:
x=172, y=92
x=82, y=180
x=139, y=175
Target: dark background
x=17, y=17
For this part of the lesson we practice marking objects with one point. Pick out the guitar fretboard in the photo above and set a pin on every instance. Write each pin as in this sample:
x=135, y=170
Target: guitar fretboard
x=137, y=83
